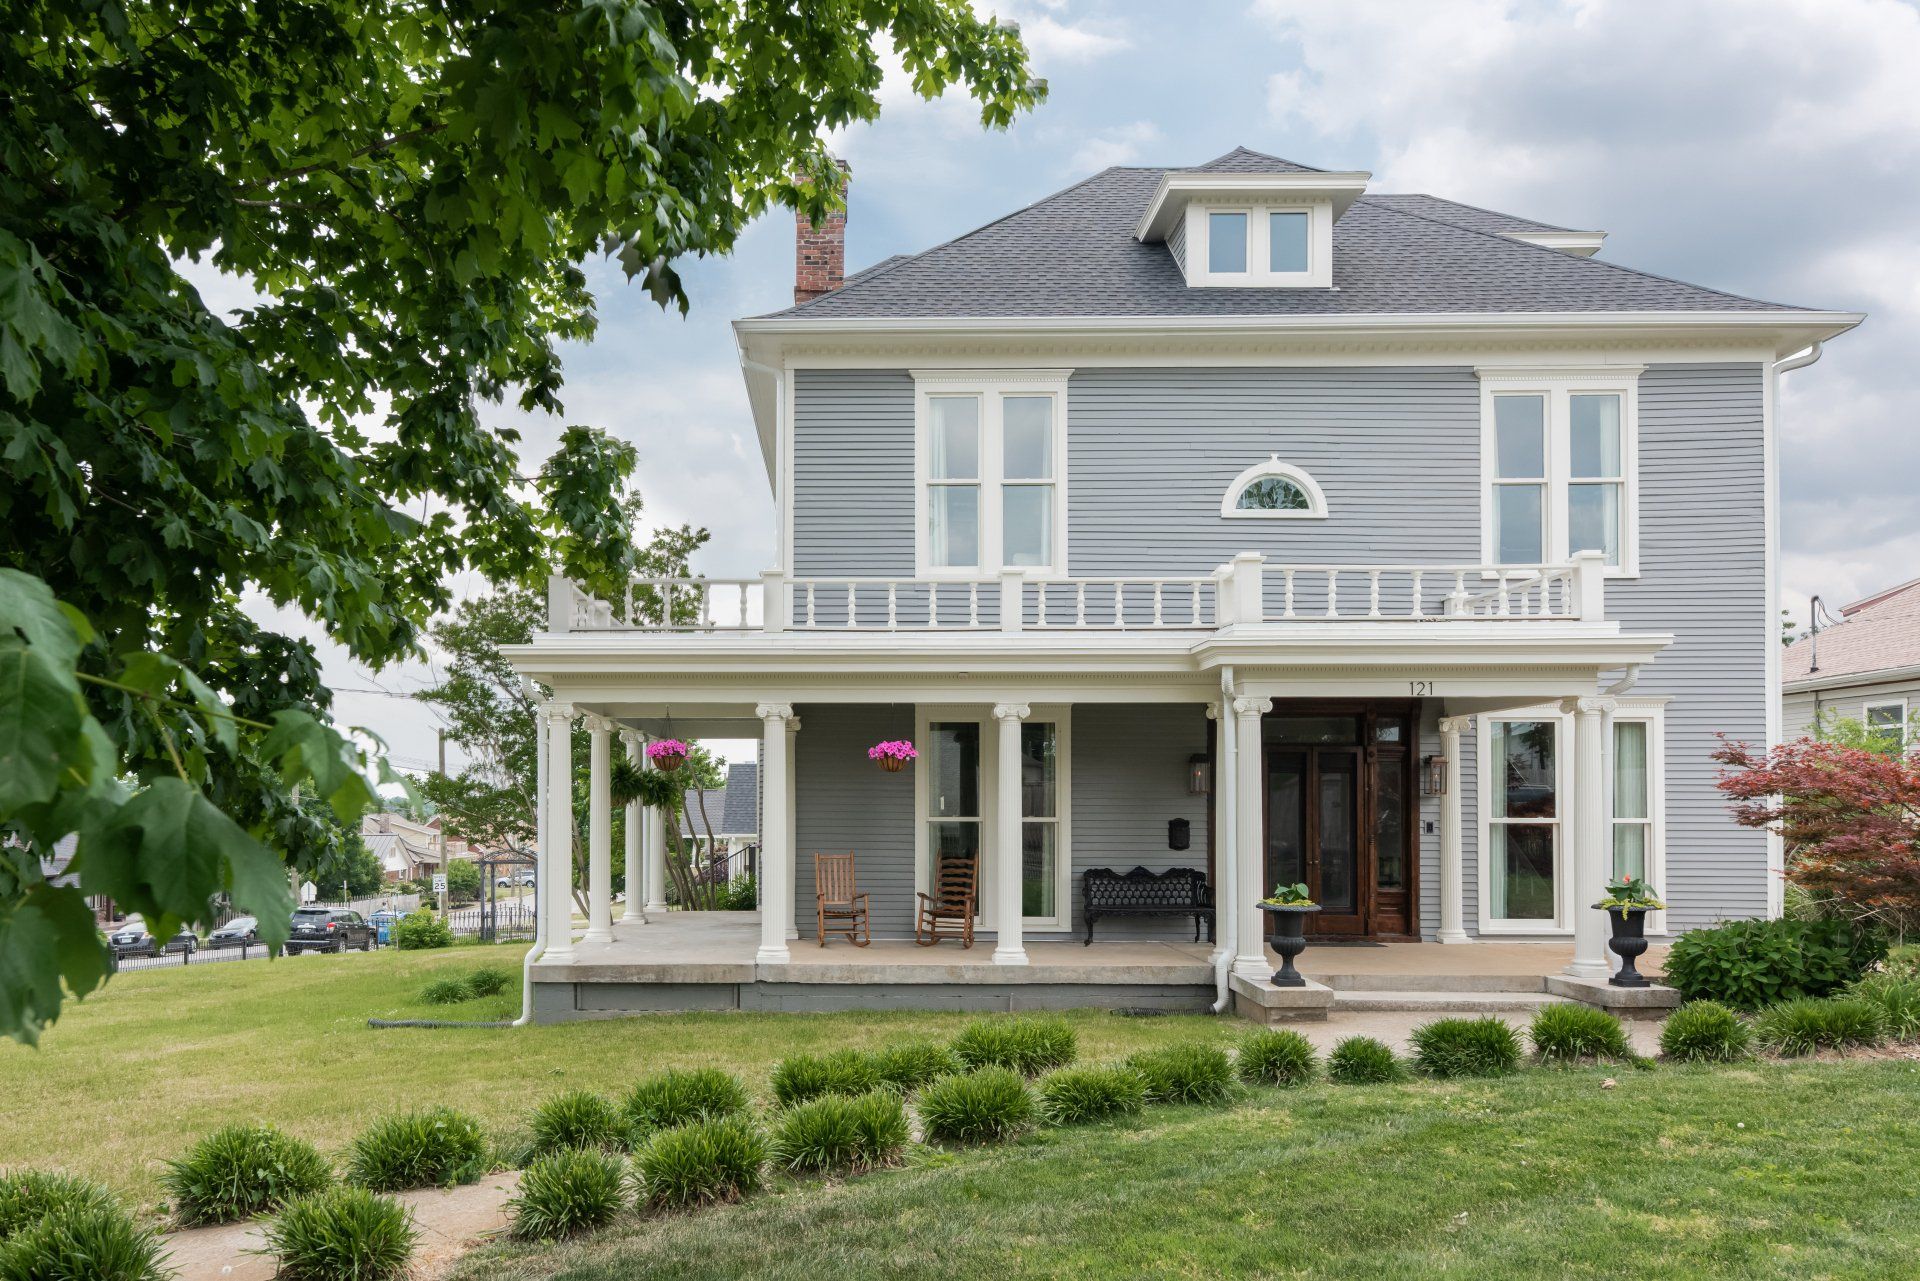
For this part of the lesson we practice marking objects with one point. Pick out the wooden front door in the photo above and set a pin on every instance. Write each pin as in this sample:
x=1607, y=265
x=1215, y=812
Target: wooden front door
x=1340, y=814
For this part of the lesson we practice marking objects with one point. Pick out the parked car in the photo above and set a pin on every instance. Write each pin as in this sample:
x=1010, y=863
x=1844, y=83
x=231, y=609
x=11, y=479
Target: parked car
x=132, y=939
x=329, y=929
x=241, y=931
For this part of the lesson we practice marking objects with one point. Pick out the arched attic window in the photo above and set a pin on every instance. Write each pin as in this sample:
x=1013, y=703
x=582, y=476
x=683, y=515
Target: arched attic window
x=1274, y=490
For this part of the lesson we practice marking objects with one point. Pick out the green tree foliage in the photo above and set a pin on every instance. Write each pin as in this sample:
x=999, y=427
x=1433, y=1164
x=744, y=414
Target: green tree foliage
x=353, y=863
x=409, y=192
x=463, y=880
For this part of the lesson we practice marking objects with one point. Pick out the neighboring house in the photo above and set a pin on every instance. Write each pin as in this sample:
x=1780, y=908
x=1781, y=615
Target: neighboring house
x=1238, y=518
x=733, y=809
x=1865, y=668
x=407, y=850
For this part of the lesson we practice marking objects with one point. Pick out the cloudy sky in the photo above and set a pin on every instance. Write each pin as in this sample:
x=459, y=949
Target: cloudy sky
x=1769, y=147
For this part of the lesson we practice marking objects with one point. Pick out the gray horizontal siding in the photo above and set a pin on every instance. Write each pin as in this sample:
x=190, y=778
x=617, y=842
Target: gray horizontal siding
x=847, y=803
x=853, y=472
x=1849, y=701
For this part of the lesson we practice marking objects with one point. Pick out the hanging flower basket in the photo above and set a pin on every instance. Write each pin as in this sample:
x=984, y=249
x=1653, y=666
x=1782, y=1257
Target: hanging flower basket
x=893, y=755
x=667, y=754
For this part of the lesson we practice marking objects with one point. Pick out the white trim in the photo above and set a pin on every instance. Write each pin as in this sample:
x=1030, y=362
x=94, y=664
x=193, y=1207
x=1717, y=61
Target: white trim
x=1774, y=651
x=1866, y=712
x=1652, y=713
x=1316, y=497
x=991, y=387
x=1259, y=272
x=1562, y=924
x=1581, y=244
x=1179, y=188
x=1556, y=386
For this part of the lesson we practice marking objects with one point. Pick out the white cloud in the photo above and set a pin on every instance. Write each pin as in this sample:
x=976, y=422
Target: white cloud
x=1053, y=42
x=1121, y=145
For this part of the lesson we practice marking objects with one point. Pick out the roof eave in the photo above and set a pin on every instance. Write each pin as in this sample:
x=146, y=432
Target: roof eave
x=1581, y=244
x=1341, y=188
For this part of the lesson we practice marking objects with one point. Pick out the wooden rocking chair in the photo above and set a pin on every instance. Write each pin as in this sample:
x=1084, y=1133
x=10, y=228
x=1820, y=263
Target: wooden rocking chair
x=836, y=900
x=948, y=911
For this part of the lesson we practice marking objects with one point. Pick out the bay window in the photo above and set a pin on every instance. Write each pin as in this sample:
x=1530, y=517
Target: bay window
x=1557, y=455
x=991, y=453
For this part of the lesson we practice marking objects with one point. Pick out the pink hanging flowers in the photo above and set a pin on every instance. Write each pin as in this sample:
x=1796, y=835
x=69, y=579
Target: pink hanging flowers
x=892, y=755
x=667, y=753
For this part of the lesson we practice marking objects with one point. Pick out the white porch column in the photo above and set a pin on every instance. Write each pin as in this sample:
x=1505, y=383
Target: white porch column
x=1592, y=819
x=599, y=830
x=636, y=870
x=1010, y=946
x=542, y=832
x=793, y=824
x=1225, y=891
x=776, y=856
x=1452, y=879
x=654, y=850
x=556, y=846
x=1250, y=839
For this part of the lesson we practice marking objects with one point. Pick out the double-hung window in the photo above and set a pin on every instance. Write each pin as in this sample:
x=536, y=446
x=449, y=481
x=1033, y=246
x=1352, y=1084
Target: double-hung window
x=1887, y=722
x=1639, y=787
x=992, y=450
x=1520, y=870
x=1557, y=455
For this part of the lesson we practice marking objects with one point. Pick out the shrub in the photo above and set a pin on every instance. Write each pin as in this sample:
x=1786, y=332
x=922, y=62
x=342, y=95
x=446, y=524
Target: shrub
x=1277, y=1056
x=1028, y=1045
x=1465, y=1047
x=435, y=1147
x=577, y=1119
x=1705, y=1032
x=700, y=1163
x=1802, y=1026
x=1753, y=964
x=741, y=895
x=1898, y=999
x=240, y=1171
x=1184, y=1074
x=909, y=1065
x=463, y=880
x=419, y=930
x=31, y=1195
x=831, y=1134
x=675, y=1097
x=97, y=1241
x=1361, y=1060
x=450, y=989
x=1903, y=961
x=342, y=1232
x=808, y=1076
x=1077, y=1096
x=988, y=1106
x=1569, y=1033
x=568, y=1191
x=489, y=980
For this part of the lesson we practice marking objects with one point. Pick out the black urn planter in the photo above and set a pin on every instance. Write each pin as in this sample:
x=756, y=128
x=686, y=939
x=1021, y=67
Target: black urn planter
x=1628, y=942
x=1289, y=939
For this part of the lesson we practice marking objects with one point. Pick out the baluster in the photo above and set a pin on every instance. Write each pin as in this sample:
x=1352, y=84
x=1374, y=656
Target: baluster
x=1120, y=605
x=1039, y=603
x=630, y=618
x=1418, y=603
x=743, y=604
x=1159, y=588
x=1080, y=603
x=1193, y=611
x=1504, y=603
x=1333, y=593
x=893, y=606
x=666, y=605
x=853, y=593
x=1373, y=593
x=973, y=603
x=811, y=622
x=1289, y=610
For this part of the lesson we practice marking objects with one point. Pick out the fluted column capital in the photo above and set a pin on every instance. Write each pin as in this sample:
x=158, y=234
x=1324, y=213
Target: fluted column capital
x=1011, y=711
x=1456, y=724
x=1252, y=706
x=1590, y=705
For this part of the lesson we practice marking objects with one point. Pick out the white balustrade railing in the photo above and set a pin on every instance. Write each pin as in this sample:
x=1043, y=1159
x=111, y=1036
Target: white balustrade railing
x=1245, y=591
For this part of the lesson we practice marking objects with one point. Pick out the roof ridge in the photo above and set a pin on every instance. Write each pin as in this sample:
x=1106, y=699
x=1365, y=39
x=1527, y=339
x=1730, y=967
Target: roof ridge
x=1566, y=257
x=1249, y=151
x=1446, y=200
x=1875, y=598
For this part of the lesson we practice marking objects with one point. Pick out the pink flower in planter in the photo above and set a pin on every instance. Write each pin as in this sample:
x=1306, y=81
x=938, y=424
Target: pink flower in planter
x=667, y=753
x=892, y=754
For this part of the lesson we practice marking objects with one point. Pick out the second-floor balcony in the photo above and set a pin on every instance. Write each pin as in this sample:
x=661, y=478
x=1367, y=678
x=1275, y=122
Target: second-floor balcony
x=1245, y=593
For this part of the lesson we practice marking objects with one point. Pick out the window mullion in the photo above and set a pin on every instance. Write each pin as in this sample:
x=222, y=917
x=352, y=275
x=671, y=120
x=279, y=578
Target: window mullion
x=1559, y=471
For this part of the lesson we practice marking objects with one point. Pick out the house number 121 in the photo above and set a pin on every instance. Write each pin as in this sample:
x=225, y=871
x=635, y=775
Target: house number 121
x=1421, y=689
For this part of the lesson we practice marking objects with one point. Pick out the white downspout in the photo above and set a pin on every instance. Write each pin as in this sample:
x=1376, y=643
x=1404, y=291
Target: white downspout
x=539, y=866
x=1226, y=847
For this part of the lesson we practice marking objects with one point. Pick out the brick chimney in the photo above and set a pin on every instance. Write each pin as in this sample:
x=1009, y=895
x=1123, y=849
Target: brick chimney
x=820, y=251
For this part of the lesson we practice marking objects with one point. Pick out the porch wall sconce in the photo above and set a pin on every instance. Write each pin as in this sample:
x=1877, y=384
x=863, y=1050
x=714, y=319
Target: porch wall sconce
x=1433, y=776
x=1198, y=782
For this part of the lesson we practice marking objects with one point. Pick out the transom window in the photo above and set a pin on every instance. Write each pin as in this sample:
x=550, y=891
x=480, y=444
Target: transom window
x=991, y=458
x=1557, y=453
x=1273, y=489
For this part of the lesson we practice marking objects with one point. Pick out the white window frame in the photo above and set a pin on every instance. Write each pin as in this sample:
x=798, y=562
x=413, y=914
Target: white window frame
x=1061, y=718
x=1871, y=705
x=1259, y=273
x=1273, y=467
x=1562, y=922
x=1557, y=386
x=1653, y=715
x=991, y=387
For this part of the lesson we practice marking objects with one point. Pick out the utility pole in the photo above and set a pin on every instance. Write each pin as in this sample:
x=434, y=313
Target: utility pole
x=441, y=736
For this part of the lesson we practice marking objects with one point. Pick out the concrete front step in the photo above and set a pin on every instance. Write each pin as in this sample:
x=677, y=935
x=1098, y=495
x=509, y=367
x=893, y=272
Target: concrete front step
x=1455, y=1001
x=1433, y=982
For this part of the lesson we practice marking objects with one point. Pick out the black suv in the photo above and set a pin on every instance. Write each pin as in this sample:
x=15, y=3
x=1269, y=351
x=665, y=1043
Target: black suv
x=329, y=929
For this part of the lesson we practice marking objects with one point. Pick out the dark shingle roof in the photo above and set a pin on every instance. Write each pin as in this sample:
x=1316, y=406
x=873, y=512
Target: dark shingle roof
x=1074, y=254
x=1240, y=160
x=734, y=808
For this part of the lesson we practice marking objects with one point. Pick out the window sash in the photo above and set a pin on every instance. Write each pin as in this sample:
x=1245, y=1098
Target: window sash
x=1015, y=519
x=1579, y=461
x=1227, y=253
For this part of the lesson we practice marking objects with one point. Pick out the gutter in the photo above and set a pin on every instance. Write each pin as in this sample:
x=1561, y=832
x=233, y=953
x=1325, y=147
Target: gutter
x=1226, y=841
x=540, y=872
x=1800, y=361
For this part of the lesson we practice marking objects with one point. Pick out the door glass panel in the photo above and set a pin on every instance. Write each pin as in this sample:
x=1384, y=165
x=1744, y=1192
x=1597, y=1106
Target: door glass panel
x=953, y=770
x=1338, y=848
x=1286, y=819
x=1390, y=821
x=1340, y=730
x=1522, y=871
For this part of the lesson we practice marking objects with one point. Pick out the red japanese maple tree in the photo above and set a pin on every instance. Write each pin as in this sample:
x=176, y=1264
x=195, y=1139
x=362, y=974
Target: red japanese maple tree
x=1850, y=818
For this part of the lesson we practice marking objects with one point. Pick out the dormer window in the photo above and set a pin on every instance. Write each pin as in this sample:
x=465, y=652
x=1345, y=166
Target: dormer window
x=1230, y=230
x=1287, y=240
x=1226, y=243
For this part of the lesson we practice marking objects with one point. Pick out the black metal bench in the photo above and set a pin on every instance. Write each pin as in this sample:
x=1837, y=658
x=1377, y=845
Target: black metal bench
x=1178, y=891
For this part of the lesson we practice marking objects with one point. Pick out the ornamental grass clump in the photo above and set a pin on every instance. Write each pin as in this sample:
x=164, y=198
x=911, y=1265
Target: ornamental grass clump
x=700, y=1163
x=1899, y=1001
x=1184, y=1074
x=489, y=980
x=1573, y=1033
x=911, y=1065
x=991, y=1105
x=90, y=1241
x=1705, y=1032
x=837, y=1135
x=1029, y=1045
x=240, y=1171
x=678, y=1096
x=808, y=1076
x=572, y=1190
x=1083, y=1095
x=1277, y=1056
x=28, y=1196
x=1465, y=1047
x=1794, y=1028
x=577, y=1119
x=1362, y=1060
x=433, y=1147
x=342, y=1233
x=449, y=989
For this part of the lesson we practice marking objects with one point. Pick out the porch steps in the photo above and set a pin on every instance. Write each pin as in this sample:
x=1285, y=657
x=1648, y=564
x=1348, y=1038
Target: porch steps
x=1431, y=982
x=1456, y=1002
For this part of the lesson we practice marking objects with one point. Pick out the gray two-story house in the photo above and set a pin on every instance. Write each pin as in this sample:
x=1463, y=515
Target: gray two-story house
x=1235, y=518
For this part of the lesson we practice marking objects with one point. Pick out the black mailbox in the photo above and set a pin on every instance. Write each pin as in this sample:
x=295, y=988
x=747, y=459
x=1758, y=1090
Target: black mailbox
x=1179, y=834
